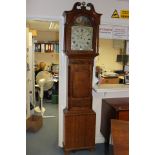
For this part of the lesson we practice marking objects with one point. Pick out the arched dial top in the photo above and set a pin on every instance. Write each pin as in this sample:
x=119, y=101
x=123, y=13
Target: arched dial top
x=82, y=30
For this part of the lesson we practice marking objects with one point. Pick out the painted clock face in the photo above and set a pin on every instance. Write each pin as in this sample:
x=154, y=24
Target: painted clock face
x=81, y=38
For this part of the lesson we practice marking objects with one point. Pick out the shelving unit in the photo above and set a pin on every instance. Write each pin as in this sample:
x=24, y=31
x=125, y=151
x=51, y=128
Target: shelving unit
x=47, y=46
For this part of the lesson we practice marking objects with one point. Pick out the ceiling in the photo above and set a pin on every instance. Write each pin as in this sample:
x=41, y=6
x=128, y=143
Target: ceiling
x=42, y=25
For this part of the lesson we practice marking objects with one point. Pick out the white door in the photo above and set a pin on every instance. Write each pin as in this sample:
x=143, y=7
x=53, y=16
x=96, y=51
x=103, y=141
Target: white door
x=29, y=73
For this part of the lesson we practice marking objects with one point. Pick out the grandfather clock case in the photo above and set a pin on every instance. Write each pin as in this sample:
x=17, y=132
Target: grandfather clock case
x=81, y=46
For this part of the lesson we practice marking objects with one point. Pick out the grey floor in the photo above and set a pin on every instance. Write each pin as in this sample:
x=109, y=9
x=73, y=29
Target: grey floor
x=45, y=141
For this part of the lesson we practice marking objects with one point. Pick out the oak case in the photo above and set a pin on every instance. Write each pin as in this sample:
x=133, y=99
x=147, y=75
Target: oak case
x=81, y=48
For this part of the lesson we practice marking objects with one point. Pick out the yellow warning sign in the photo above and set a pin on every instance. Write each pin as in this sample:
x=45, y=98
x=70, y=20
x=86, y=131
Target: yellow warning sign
x=124, y=13
x=115, y=14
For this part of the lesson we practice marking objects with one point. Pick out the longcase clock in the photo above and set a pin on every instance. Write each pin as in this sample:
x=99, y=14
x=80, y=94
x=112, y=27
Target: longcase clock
x=81, y=46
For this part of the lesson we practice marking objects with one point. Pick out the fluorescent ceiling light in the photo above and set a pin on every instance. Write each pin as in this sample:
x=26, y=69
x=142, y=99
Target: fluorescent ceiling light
x=53, y=26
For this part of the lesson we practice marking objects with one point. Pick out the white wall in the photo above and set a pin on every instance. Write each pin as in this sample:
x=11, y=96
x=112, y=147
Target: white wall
x=29, y=72
x=107, y=56
x=47, y=8
x=47, y=36
x=27, y=76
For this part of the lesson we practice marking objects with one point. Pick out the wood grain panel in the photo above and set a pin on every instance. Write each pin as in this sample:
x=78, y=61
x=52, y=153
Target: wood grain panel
x=79, y=130
x=81, y=75
x=80, y=103
x=123, y=115
x=81, y=86
x=120, y=136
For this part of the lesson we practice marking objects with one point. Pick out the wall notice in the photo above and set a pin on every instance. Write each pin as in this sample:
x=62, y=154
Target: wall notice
x=115, y=14
x=114, y=32
x=105, y=31
x=124, y=14
x=120, y=32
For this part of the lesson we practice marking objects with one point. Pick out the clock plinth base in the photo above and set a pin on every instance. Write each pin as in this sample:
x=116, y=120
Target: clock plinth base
x=66, y=152
x=79, y=130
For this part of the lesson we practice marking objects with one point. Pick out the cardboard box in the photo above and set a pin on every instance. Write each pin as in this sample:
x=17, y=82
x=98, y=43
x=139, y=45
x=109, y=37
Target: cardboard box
x=34, y=123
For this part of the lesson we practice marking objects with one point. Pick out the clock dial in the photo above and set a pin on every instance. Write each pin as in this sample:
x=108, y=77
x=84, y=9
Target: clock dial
x=81, y=38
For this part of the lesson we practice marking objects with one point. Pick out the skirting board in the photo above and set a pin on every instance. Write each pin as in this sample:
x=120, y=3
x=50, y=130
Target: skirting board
x=99, y=139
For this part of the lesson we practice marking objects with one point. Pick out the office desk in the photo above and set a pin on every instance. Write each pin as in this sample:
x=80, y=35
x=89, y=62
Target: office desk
x=113, y=108
x=120, y=136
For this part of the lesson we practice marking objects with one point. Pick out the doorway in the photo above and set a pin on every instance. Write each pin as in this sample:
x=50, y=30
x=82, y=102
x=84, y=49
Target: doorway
x=62, y=75
x=45, y=57
x=44, y=50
